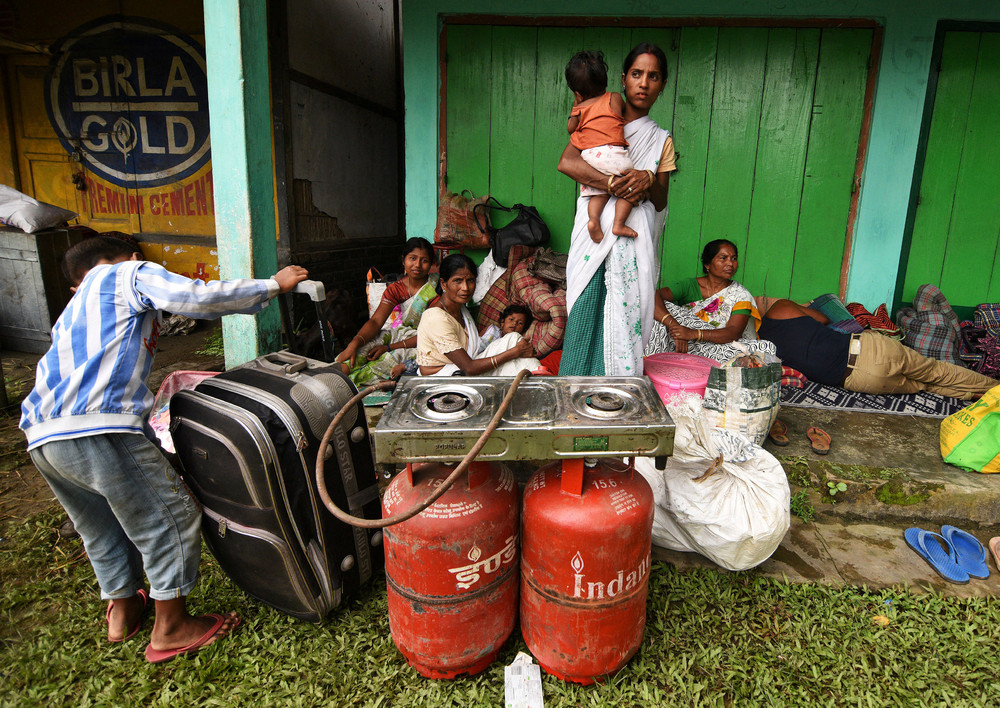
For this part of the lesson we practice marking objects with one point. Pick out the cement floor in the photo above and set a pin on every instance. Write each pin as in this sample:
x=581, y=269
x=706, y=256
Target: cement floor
x=859, y=540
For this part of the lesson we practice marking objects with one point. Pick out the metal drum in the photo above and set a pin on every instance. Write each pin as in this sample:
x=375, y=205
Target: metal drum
x=452, y=570
x=585, y=559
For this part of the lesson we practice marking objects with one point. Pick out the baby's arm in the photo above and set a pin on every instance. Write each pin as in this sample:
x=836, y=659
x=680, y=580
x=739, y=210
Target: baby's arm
x=574, y=120
x=618, y=104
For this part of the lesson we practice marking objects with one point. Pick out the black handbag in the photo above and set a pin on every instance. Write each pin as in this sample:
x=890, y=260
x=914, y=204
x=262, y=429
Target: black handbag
x=527, y=228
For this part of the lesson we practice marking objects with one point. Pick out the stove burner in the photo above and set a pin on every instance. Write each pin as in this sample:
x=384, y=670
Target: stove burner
x=610, y=402
x=606, y=401
x=448, y=402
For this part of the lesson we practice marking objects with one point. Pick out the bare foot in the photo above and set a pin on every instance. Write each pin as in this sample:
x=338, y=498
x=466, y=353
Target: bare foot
x=175, y=628
x=594, y=227
x=124, y=616
x=623, y=230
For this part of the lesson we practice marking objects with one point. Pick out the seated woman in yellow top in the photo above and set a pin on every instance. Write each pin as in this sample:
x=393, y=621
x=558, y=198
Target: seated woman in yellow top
x=712, y=315
x=447, y=339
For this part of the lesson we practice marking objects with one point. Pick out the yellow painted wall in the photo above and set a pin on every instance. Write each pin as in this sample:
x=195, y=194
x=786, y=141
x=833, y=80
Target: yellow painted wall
x=33, y=160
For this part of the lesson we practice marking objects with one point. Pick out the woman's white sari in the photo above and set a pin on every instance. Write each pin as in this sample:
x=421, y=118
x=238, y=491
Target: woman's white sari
x=631, y=264
x=475, y=351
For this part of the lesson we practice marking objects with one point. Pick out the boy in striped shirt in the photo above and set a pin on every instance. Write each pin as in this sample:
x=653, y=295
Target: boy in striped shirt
x=84, y=423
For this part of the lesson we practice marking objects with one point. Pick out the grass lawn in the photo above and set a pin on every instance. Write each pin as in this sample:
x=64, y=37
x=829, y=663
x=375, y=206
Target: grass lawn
x=711, y=639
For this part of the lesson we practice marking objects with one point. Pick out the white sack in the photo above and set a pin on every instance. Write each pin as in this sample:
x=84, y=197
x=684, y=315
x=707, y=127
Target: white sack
x=489, y=272
x=30, y=215
x=738, y=514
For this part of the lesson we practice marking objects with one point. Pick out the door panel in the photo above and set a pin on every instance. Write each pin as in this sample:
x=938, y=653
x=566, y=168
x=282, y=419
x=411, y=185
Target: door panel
x=47, y=171
x=766, y=122
x=956, y=229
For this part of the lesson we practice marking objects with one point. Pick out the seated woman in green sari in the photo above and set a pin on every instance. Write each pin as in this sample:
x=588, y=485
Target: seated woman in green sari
x=711, y=315
x=385, y=346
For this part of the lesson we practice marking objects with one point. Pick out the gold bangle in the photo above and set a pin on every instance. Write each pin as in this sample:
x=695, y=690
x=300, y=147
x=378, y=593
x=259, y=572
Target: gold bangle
x=493, y=361
x=652, y=177
x=610, y=177
x=699, y=335
x=663, y=320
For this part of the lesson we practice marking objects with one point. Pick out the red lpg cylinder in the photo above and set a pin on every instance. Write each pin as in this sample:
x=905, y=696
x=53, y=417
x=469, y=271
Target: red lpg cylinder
x=451, y=571
x=585, y=557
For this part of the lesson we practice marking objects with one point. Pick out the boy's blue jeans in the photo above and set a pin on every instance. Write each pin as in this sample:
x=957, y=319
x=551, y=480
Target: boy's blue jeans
x=130, y=508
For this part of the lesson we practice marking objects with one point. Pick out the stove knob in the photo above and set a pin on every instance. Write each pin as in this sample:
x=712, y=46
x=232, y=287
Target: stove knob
x=346, y=564
x=358, y=434
x=376, y=540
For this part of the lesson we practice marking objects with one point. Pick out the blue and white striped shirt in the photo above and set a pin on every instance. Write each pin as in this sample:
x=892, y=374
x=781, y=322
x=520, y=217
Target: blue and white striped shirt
x=93, y=379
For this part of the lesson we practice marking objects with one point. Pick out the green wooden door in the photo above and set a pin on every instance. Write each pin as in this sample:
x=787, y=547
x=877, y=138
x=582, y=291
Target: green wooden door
x=766, y=122
x=956, y=228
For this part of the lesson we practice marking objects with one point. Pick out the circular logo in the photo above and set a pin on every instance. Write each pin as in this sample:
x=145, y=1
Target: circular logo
x=129, y=98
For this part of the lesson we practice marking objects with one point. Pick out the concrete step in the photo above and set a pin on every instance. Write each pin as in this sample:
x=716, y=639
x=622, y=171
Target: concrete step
x=892, y=467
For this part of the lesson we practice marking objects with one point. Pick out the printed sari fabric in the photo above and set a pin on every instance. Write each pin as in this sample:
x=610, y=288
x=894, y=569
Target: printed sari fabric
x=401, y=325
x=713, y=312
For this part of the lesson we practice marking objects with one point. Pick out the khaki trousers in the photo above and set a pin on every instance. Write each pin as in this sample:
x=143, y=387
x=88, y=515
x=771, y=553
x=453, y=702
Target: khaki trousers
x=885, y=365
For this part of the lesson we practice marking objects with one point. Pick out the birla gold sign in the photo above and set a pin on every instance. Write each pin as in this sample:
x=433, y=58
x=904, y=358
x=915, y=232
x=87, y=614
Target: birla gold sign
x=128, y=98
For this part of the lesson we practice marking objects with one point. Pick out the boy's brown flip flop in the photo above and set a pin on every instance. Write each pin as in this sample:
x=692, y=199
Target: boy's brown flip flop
x=819, y=439
x=994, y=545
x=778, y=433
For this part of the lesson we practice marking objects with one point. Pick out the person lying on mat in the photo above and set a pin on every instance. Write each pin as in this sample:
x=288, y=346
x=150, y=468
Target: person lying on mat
x=865, y=363
x=84, y=423
x=712, y=315
x=447, y=338
x=377, y=353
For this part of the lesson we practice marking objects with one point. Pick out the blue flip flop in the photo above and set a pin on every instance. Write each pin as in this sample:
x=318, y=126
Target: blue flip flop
x=970, y=552
x=938, y=553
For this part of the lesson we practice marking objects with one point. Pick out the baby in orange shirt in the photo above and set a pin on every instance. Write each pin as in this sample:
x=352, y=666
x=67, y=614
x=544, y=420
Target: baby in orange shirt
x=597, y=128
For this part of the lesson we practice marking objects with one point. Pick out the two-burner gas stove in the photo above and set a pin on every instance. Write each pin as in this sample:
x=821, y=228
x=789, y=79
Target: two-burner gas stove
x=440, y=419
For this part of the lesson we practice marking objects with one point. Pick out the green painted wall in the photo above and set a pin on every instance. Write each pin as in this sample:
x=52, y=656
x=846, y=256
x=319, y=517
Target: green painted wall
x=766, y=124
x=956, y=227
x=896, y=119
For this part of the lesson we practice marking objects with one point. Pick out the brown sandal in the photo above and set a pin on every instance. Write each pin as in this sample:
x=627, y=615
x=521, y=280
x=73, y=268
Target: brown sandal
x=778, y=433
x=819, y=439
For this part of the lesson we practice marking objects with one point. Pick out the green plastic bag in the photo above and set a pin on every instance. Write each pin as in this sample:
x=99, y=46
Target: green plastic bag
x=970, y=438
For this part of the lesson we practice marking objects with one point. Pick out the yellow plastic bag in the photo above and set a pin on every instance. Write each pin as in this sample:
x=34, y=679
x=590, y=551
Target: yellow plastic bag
x=970, y=438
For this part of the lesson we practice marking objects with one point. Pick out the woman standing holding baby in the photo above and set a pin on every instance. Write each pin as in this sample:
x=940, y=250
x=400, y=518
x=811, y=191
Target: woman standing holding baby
x=611, y=279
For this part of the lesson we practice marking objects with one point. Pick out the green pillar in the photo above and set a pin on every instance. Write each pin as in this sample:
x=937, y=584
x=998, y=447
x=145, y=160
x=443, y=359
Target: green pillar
x=242, y=165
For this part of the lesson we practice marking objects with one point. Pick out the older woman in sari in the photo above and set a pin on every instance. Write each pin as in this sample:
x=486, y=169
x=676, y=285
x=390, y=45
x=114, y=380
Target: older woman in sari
x=610, y=285
x=712, y=315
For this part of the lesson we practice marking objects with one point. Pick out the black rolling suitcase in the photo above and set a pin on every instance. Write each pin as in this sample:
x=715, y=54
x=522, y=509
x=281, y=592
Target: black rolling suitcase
x=247, y=440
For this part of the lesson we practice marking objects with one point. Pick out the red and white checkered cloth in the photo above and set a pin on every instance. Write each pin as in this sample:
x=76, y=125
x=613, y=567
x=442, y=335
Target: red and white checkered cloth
x=792, y=377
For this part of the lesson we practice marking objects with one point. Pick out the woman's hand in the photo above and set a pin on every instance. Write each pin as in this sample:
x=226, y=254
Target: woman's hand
x=349, y=354
x=632, y=186
x=523, y=349
x=377, y=351
x=681, y=333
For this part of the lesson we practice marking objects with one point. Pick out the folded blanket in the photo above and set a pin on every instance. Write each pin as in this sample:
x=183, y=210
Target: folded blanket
x=835, y=310
x=792, y=377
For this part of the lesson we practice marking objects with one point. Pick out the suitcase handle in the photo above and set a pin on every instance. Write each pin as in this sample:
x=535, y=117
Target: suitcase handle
x=313, y=288
x=284, y=362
